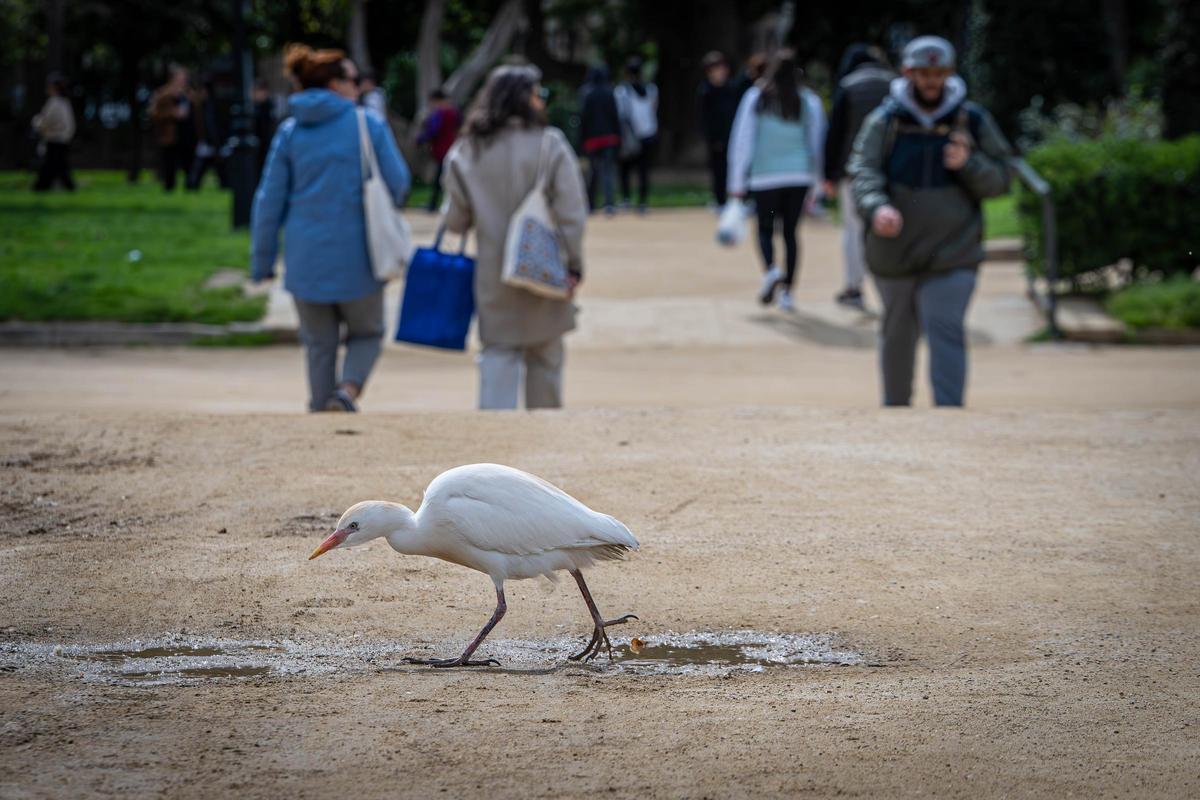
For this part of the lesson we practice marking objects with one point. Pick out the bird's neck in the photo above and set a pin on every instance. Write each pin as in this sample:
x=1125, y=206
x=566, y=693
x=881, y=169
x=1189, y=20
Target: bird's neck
x=406, y=536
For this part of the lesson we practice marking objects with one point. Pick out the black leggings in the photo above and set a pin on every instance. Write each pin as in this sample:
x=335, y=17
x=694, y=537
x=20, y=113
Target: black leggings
x=783, y=205
x=56, y=166
x=642, y=162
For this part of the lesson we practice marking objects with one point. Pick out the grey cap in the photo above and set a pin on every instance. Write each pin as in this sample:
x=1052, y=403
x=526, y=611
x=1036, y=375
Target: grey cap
x=928, y=51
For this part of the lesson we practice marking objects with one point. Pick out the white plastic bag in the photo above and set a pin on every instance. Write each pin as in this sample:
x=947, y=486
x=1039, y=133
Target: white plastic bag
x=731, y=228
x=389, y=239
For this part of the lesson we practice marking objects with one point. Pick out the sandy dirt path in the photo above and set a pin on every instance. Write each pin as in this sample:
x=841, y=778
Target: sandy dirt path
x=1022, y=584
x=1014, y=586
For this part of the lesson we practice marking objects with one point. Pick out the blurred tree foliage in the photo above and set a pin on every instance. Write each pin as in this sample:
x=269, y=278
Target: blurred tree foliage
x=1012, y=51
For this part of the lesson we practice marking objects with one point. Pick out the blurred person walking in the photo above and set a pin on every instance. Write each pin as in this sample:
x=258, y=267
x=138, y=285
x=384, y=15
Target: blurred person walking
x=211, y=139
x=372, y=97
x=55, y=125
x=439, y=132
x=174, y=126
x=506, y=144
x=264, y=121
x=717, y=101
x=923, y=162
x=775, y=153
x=637, y=104
x=312, y=190
x=600, y=130
x=862, y=82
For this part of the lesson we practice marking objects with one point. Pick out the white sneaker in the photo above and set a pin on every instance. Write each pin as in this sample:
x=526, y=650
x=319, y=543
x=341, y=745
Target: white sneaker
x=771, y=279
x=785, y=301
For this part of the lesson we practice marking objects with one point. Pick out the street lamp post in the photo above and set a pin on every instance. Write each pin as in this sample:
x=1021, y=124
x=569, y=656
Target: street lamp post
x=243, y=161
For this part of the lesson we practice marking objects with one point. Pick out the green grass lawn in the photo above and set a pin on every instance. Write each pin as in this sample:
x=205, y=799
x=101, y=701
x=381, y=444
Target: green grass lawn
x=116, y=251
x=1000, y=218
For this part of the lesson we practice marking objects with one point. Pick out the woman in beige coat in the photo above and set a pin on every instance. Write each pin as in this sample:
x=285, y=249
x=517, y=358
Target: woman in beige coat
x=486, y=175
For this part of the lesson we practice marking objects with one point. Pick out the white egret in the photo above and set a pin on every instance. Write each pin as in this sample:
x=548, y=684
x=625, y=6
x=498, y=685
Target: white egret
x=500, y=521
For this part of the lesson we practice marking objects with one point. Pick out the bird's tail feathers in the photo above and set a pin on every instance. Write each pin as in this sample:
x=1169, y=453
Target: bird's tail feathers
x=620, y=533
x=608, y=552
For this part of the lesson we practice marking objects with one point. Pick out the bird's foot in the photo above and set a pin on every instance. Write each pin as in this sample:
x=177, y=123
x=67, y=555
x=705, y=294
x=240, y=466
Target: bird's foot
x=600, y=639
x=452, y=662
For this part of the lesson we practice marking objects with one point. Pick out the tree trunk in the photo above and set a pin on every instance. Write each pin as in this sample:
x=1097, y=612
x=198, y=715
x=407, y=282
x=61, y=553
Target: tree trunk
x=505, y=25
x=1180, y=59
x=130, y=73
x=55, y=12
x=1118, y=42
x=357, y=36
x=536, y=51
x=429, y=45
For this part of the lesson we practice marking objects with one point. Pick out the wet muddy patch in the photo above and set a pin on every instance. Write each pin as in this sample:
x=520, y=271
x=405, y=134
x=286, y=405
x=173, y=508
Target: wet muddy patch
x=694, y=653
x=179, y=660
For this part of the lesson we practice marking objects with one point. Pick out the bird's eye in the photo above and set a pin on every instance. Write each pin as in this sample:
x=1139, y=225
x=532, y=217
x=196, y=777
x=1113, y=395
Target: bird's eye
x=353, y=526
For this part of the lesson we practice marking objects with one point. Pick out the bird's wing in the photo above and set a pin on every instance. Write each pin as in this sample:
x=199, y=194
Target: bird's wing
x=504, y=510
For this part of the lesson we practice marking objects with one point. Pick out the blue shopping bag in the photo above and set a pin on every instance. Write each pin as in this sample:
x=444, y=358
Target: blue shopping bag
x=439, y=297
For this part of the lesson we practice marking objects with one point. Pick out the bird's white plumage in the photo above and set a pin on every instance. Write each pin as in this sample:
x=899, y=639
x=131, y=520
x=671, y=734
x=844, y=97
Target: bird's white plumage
x=494, y=519
x=501, y=520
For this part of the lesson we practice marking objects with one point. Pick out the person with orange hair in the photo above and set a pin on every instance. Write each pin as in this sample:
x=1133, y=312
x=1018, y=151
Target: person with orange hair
x=311, y=189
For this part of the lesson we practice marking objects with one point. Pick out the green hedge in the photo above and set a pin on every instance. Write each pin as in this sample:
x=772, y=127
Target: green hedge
x=1115, y=199
x=1169, y=304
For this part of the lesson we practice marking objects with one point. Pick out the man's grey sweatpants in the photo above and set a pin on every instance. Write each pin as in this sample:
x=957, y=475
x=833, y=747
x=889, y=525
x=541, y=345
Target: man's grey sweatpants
x=935, y=304
x=500, y=368
x=320, y=330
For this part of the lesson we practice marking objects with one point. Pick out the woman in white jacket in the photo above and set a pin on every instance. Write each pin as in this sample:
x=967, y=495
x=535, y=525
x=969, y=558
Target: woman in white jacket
x=775, y=152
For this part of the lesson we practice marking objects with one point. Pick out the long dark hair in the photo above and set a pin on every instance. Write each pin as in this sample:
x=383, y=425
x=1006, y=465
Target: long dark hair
x=505, y=96
x=780, y=87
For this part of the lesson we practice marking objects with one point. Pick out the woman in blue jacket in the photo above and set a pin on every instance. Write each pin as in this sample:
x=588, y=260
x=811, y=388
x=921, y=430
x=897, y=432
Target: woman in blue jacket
x=312, y=188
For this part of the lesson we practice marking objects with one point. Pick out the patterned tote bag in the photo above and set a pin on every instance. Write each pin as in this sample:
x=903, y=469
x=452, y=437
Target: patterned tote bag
x=534, y=255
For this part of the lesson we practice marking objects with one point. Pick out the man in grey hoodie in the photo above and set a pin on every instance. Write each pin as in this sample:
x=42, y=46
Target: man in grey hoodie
x=922, y=164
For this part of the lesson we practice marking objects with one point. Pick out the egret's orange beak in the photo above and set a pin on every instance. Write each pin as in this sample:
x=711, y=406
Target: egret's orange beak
x=331, y=541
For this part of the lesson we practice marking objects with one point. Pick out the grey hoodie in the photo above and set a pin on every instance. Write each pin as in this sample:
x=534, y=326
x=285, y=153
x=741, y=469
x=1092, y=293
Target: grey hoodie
x=897, y=160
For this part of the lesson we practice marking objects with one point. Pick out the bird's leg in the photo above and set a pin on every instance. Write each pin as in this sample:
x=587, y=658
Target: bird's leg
x=465, y=659
x=599, y=636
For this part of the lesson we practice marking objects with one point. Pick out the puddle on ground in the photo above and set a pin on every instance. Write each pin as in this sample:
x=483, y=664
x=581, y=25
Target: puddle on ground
x=739, y=649
x=176, y=660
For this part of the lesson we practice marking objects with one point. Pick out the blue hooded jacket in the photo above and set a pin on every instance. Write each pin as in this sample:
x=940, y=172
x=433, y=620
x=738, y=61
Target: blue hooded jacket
x=311, y=187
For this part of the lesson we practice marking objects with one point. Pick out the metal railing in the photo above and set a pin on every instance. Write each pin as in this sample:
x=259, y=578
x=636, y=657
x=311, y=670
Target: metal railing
x=1037, y=184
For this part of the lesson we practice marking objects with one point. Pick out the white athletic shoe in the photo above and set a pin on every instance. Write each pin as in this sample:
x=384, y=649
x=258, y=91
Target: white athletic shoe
x=770, y=282
x=785, y=301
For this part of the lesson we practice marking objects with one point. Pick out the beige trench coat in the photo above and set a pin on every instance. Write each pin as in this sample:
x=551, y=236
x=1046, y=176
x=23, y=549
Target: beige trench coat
x=484, y=185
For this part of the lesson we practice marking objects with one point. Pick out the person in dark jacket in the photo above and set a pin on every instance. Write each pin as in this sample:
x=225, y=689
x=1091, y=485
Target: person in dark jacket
x=211, y=138
x=264, y=120
x=439, y=132
x=600, y=130
x=922, y=164
x=862, y=83
x=174, y=126
x=718, y=103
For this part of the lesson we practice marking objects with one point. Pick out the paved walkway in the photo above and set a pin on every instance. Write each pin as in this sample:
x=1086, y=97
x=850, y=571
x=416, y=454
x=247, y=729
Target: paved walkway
x=662, y=281
x=668, y=319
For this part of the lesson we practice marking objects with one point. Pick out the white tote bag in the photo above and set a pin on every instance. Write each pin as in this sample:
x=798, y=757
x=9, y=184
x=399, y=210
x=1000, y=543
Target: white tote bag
x=534, y=255
x=731, y=228
x=389, y=239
